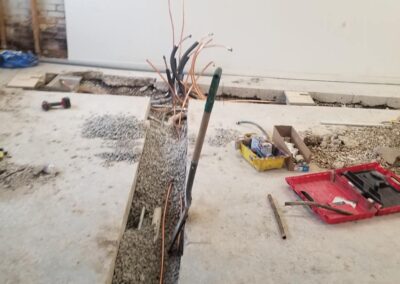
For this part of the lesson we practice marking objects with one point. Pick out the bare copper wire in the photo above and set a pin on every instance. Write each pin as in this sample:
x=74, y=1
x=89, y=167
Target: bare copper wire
x=183, y=28
x=163, y=232
x=172, y=22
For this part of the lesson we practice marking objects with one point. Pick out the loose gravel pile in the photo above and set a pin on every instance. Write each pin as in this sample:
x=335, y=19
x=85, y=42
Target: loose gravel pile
x=113, y=127
x=163, y=159
x=223, y=137
x=353, y=145
x=120, y=131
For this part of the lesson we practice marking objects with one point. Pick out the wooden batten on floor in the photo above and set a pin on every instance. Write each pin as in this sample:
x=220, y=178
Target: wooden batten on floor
x=3, y=36
x=35, y=26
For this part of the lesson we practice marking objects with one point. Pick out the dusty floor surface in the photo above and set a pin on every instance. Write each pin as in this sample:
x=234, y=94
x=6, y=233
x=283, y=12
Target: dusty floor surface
x=163, y=159
x=13, y=176
x=352, y=145
x=64, y=228
x=231, y=233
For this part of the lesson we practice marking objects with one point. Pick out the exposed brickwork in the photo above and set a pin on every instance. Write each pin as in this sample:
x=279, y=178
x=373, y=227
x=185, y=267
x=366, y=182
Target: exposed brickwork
x=53, y=39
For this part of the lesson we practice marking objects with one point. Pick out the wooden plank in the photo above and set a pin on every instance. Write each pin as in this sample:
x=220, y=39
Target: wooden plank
x=35, y=26
x=3, y=35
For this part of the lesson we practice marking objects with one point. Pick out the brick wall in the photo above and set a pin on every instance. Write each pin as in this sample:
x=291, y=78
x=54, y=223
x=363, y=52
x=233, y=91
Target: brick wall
x=53, y=40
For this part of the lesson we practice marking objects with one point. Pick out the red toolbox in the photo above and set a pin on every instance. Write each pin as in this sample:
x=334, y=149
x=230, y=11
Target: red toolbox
x=364, y=190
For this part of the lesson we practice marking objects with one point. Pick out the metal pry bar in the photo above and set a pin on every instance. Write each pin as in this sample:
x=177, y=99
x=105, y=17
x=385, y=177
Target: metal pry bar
x=316, y=204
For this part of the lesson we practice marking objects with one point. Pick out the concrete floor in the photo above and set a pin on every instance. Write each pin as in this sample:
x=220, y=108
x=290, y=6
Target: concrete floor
x=232, y=236
x=59, y=233
x=67, y=230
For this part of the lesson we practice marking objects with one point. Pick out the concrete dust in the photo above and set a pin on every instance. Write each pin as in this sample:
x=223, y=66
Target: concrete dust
x=123, y=150
x=163, y=159
x=223, y=137
x=352, y=145
x=13, y=176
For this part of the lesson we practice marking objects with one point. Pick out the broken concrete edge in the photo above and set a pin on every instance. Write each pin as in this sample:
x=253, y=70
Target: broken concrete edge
x=368, y=101
x=129, y=204
x=229, y=88
x=257, y=88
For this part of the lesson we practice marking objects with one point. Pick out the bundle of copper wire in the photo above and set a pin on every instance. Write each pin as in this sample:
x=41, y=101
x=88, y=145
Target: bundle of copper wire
x=181, y=88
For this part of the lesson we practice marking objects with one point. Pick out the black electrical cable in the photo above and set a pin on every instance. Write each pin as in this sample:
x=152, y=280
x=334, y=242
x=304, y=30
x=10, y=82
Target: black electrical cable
x=182, y=64
x=185, y=58
x=173, y=64
x=168, y=72
x=169, y=78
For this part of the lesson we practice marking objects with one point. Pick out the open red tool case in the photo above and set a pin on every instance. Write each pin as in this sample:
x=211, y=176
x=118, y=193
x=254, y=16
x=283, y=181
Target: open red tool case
x=366, y=191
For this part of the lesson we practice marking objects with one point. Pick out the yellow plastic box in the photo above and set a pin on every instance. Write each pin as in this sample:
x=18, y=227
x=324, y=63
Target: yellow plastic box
x=261, y=164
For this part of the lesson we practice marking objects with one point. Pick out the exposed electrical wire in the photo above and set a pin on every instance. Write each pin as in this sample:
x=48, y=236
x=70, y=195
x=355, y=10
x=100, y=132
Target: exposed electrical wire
x=163, y=231
x=182, y=30
x=228, y=48
x=172, y=22
x=161, y=76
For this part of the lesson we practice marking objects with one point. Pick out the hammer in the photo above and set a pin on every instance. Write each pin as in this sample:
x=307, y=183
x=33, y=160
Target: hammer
x=65, y=103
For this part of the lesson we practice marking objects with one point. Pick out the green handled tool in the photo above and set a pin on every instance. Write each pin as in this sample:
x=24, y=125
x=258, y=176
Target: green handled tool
x=196, y=154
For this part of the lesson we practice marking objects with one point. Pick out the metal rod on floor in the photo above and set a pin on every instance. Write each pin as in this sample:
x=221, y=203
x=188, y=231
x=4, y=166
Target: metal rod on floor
x=196, y=154
x=311, y=203
x=277, y=217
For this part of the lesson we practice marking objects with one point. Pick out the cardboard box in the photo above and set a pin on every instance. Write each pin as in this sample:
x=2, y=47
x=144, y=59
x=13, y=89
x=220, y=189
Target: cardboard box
x=282, y=131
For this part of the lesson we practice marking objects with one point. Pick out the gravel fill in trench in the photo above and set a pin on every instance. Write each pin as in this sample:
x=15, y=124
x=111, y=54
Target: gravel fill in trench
x=163, y=159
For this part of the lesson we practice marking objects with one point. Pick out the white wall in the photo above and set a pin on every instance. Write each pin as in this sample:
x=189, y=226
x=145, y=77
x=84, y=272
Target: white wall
x=353, y=40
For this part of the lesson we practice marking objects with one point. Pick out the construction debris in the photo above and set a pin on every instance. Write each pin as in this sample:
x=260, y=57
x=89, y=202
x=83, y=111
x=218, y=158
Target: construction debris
x=355, y=145
x=141, y=218
x=64, y=83
x=13, y=176
x=390, y=155
x=156, y=222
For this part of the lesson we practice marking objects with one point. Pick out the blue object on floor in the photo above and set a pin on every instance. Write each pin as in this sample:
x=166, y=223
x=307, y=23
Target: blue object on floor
x=17, y=59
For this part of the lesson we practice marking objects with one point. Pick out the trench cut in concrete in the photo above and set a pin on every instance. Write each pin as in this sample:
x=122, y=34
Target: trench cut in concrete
x=231, y=234
x=67, y=230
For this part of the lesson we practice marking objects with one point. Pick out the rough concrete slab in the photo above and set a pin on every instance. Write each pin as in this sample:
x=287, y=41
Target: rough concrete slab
x=299, y=98
x=64, y=83
x=67, y=230
x=232, y=236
